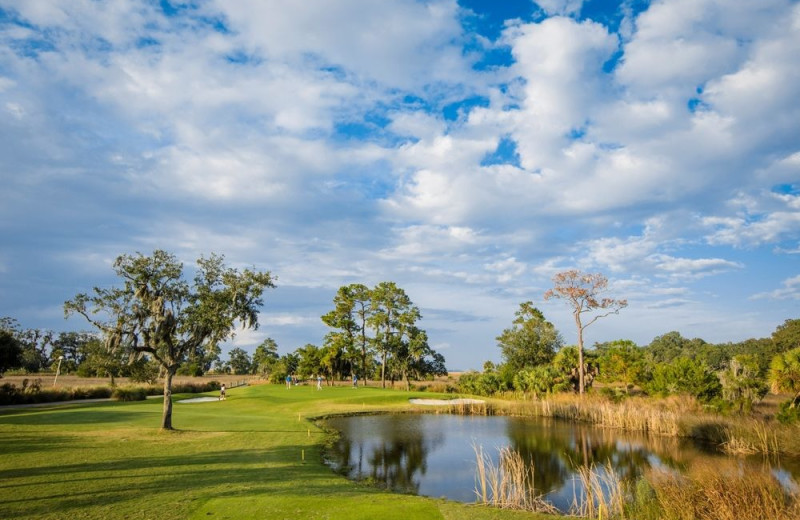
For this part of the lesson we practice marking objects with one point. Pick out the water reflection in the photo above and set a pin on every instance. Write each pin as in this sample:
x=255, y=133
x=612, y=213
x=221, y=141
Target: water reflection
x=393, y=450
x=433, y=455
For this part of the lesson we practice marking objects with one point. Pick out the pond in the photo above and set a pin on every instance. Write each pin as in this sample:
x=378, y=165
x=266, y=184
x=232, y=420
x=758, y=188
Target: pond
x=434, y=455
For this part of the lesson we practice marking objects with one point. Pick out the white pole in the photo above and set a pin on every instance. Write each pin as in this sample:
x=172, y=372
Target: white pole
x=58, y=370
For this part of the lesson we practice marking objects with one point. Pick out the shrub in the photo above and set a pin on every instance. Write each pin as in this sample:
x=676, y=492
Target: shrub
x=437, y=386
x=91, y=392
x=542, y=380
x=195, y=388
x=488, y=383
x=684, y=376
x=189, y=369
x=615, y=394
x=30, y=393
x=788, y=413
x=129, y=393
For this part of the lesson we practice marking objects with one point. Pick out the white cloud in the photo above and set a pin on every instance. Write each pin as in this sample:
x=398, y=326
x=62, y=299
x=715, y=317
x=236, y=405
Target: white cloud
x=127, y=129
x=423, y=241
x=6, y=83
x=561, y=61
x=382, y=47
x=767, y=219
x=692, y=267
x=560, y=7
x=15, y=110
x=286, y=320
x=789, y=291
x=619, y=254
x=507, y=269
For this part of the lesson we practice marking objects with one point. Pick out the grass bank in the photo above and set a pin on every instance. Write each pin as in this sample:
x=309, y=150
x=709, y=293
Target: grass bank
x=255, y=455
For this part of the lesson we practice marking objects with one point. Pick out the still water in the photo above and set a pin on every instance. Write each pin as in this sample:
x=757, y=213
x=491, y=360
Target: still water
x=433, y=455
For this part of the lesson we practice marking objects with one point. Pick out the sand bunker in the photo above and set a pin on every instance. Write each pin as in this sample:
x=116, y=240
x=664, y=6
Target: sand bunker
x=199, y=400
x=434, y=402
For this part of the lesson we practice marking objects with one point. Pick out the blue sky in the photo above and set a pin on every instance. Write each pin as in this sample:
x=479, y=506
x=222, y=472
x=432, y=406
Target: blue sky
x=466, y=150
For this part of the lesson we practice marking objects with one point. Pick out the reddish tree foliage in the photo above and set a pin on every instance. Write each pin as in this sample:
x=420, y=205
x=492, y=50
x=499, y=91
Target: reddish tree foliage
x=582, y=292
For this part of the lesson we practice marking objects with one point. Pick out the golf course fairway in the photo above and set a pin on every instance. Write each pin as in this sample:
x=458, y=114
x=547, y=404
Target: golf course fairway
x=255, y=455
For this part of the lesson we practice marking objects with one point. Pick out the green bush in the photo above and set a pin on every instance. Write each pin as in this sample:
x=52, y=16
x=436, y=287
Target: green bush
x=542, y=380
x=684, y=376
x=32, y=392
x=190, y=369
x=91, y=392
x=615, y=394
x=488, y=383
x=788, y=414
x=129, y=393
x=195, y=388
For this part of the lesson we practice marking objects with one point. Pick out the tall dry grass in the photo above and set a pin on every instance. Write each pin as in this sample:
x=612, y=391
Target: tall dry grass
x=632, y=414
x=676, y=416
x=753, y=436
x=469, y=408
x=604, y=494
x=508, y=484
x=723, y=491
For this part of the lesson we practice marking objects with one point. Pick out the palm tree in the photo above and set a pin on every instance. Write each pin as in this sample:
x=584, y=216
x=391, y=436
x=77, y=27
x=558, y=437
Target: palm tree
x=784, y=374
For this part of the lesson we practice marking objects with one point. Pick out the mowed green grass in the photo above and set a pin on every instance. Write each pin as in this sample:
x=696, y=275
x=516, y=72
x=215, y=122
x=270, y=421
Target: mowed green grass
x=255, y=455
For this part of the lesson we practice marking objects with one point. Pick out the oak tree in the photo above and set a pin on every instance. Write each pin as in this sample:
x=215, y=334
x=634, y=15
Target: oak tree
x=157, y=313
x=531, y=341
x=10, y=351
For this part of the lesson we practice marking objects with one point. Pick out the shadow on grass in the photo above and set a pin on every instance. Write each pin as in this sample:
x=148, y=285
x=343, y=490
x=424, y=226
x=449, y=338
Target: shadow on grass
x=32, y=443
x=153, y=482
x=94, y=413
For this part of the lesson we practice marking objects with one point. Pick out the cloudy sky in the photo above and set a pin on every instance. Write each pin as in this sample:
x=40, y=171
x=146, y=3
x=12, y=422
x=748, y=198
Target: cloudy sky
x=466, y=150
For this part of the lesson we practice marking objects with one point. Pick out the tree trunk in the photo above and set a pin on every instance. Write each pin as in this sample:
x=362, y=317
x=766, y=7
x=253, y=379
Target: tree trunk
x=166, y=417
x=383, y=370
x=364, y=351
x=580, y=355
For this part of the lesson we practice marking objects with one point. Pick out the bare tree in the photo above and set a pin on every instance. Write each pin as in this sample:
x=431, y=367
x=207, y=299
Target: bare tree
x=582, y=291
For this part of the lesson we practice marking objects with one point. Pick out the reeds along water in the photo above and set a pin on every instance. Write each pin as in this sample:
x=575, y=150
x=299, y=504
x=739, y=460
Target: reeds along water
x=470, y=409
x=509, y=484
x=623, y=416
x=722, y=491
x=604, y=494
x=753, y=437
x=673, y=418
